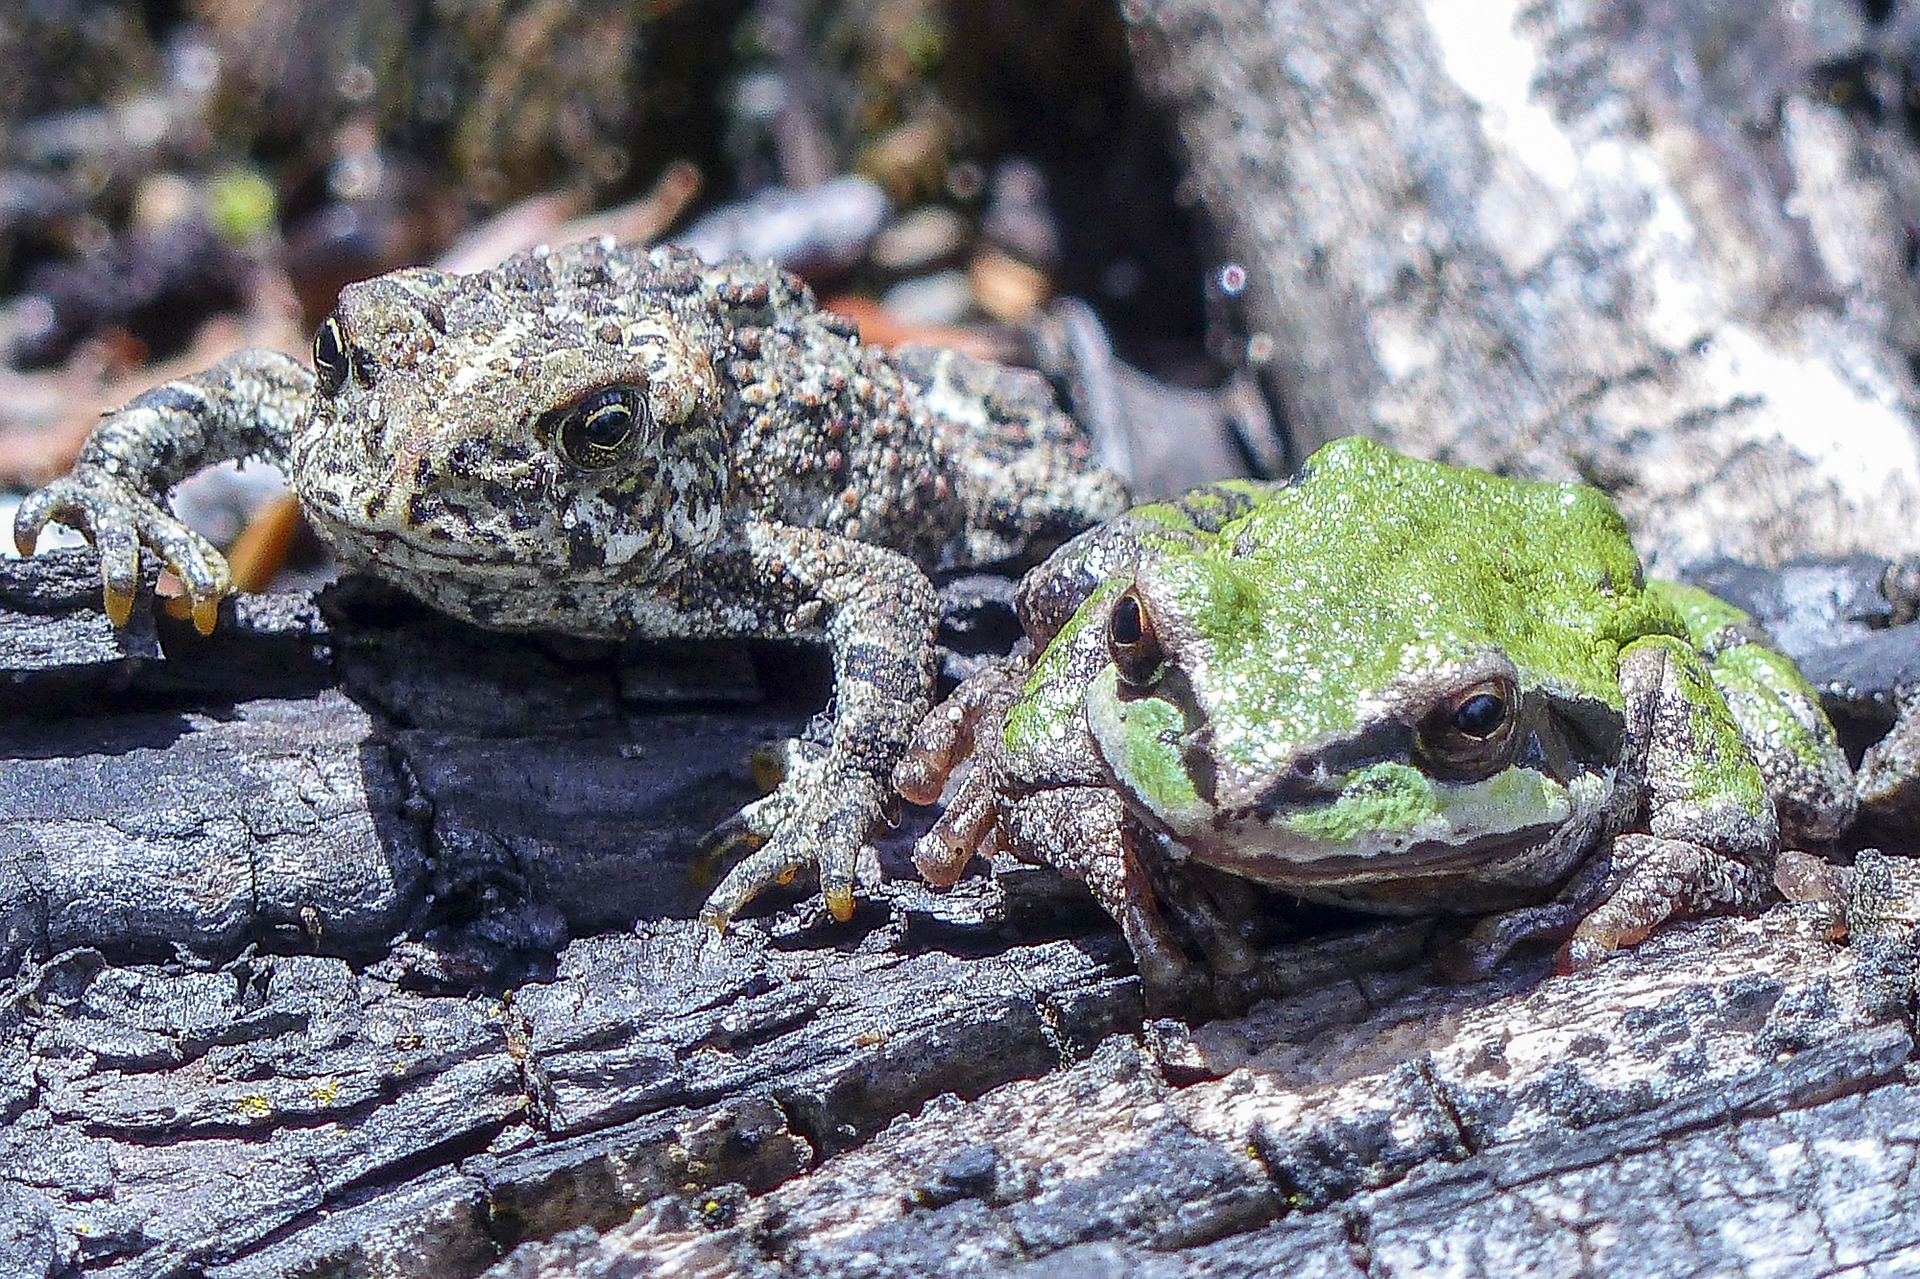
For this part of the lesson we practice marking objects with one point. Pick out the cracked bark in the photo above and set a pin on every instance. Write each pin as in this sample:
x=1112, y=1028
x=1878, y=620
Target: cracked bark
x=957, y=1083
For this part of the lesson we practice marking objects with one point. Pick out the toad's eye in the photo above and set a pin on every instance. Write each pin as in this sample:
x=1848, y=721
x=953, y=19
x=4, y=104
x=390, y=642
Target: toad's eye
x=597, y=430
x=1131, y=641
x=1470, y=733
x=330, y=358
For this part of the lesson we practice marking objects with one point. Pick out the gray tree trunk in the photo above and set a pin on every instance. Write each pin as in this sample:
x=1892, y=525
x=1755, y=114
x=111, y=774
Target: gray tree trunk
x=1631, y=243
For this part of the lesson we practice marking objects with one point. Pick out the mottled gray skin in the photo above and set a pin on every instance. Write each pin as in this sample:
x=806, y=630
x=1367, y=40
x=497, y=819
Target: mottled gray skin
x=1311, y=645
x=760, y=473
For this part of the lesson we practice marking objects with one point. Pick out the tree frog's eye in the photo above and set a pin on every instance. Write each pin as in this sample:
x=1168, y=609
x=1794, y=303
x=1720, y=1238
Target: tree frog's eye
x=1470, y=733
x=1480, y=716
x=1131, y=641
x=597, y=430
x=330, y=359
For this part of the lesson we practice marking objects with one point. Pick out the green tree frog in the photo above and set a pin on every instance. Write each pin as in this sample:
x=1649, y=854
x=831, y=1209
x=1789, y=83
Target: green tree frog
x=1392, y=685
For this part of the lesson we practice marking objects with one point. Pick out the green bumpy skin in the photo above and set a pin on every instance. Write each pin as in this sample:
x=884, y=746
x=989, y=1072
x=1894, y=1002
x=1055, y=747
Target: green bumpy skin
x=1327, y=590
x=1394, y=685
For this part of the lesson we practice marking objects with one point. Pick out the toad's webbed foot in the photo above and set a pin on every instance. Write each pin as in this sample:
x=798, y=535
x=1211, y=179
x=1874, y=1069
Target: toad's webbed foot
x=879, y=613
x=119, y=519
x=817, y=816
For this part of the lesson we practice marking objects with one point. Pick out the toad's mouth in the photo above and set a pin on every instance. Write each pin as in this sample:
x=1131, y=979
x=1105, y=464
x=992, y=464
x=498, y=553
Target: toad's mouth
x=386, y=546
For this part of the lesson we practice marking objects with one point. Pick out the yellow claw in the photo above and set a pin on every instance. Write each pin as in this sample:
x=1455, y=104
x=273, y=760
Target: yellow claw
x=206, y=612
x=840, y=904
x=119, y=606
x=25, y=542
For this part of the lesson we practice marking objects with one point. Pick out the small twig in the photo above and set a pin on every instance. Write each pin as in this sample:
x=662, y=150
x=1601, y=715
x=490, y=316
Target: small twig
x=554, y=218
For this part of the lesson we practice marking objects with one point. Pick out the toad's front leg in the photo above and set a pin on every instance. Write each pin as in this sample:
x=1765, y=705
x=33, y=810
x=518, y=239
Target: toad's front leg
x=879, y=614
x=247, y=405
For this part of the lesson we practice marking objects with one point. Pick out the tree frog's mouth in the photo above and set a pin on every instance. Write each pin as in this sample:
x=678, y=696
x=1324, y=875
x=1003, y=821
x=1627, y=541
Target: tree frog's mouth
x=1272, y=855
x=1392, y=822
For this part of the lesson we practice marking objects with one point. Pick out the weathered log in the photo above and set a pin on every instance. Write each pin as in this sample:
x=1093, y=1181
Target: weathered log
x=1636, y=244
x=214, y=1060
x=1643, y=1118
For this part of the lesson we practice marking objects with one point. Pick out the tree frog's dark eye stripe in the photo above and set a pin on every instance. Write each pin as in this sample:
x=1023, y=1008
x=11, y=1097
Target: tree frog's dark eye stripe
x=330, y=359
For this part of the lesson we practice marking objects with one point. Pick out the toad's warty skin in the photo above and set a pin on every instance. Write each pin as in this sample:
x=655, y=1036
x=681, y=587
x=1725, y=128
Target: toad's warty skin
x=602, y=441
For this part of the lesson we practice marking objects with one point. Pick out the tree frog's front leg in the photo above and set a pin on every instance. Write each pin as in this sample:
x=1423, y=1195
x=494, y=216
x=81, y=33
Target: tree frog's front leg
x=879, y=612
x=964, y=727
x=247, y=405
x=1707, y=833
